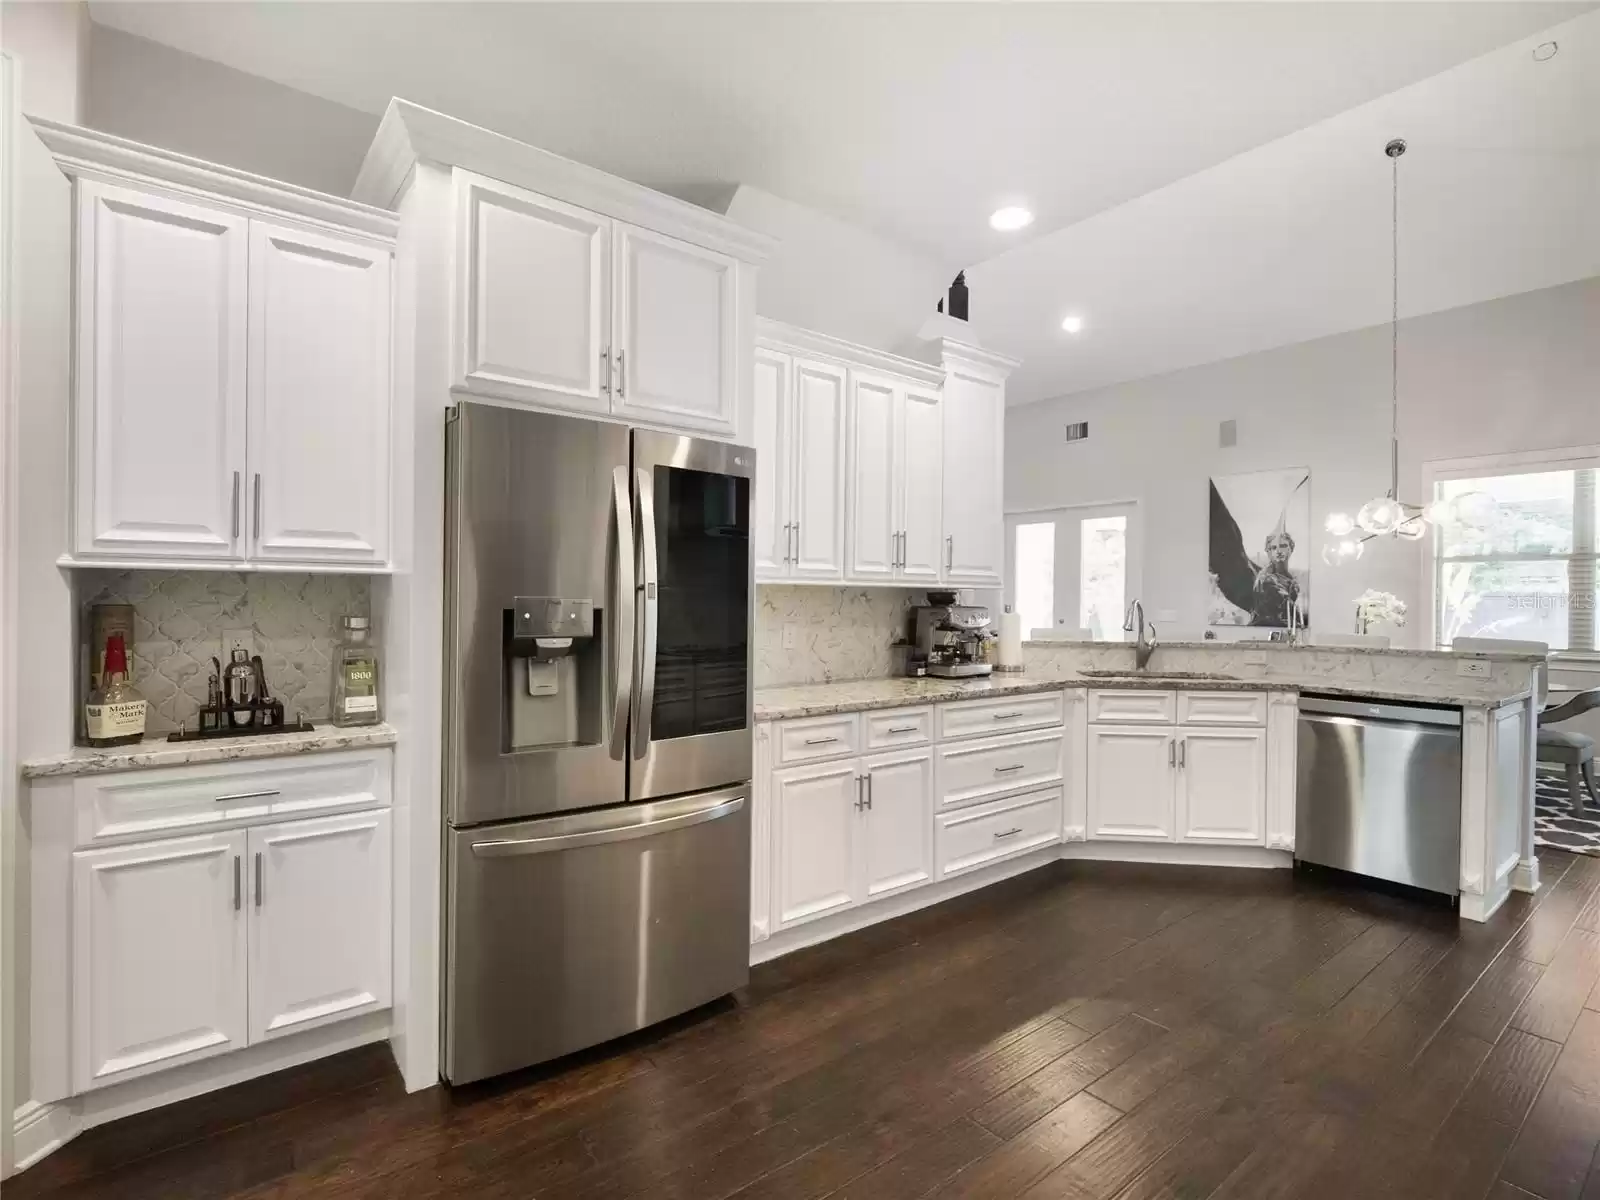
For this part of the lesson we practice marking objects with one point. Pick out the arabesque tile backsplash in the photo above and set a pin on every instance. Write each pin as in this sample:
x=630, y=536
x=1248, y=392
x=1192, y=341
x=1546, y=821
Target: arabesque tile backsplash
x=840, y=632
x=180, y=617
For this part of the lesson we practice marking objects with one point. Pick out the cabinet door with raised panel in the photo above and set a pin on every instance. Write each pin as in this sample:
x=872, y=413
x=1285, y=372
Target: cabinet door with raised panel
x=1131, y=789
x=919, y=461
x=974, y=447
x=871, y=501
x=320, y=409
x=160, y=377
x=1222, y=779
x=158, y=956
x=533, y=297
x=320, y=923
x=774, y=450
x=897, y=834
x=815, y=817
x=676, y=319
x=817, y=487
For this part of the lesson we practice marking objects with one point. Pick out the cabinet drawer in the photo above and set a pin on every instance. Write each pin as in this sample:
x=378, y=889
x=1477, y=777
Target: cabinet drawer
x=140, y=804
x=1222, y=708
x=972, y=770
x=975, y=718
x=895, y=727
x=813, y=738
x=1134, y=707
x=975, y=837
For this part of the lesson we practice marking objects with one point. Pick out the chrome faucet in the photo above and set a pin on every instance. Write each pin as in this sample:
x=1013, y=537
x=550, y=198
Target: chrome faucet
x=1143, y=646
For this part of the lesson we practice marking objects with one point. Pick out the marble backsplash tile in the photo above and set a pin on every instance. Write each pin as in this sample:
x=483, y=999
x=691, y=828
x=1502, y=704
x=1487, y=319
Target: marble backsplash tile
x=840, y=632
x=180, y=617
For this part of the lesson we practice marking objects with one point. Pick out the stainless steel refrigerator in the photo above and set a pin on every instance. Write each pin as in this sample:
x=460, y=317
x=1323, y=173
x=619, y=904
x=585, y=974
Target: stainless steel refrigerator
x=597, y=737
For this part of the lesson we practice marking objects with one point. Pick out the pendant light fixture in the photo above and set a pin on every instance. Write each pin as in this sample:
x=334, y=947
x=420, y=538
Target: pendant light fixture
x=1388, y=515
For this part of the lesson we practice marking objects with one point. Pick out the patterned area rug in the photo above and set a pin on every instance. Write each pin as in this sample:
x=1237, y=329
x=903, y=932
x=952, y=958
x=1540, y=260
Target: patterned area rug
x=1554, y=823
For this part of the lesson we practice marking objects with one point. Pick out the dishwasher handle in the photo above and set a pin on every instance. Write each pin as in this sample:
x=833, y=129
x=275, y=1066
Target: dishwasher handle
x=1313, y=706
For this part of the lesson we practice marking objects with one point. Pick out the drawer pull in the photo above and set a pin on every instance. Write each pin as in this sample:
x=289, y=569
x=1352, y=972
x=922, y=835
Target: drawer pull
x=822, y=741
x=1008, y=716
x=247, y=796
x=1005, y=833
x=902, y=729
x=1008, y=770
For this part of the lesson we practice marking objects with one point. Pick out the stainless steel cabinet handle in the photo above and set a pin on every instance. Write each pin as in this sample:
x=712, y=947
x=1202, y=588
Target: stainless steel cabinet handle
x=822, y=741
x=1008, y=770
x=247, y=796
x=797, y=543
x=1008, y=716
x=257, y=507
x=622, y=374
x=950, y=552
x=788, y=542
x=1183, y=753
x=605, y=367
x=861, y=802
x=236, y=504
x=1005, y=833
x=868, y=778
x=902, y=729
x=258, y=879
x=236, y=883
x=1172, y=753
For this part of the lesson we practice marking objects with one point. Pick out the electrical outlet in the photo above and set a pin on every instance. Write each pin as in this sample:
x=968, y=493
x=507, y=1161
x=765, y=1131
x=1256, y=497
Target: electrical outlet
x=1167, y=615
x=1255, y=658
x=1473, y=668
x=237, y=637
x=791, y=636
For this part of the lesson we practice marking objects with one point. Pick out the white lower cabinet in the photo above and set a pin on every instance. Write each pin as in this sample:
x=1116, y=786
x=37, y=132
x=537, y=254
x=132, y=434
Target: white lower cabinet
x=305, y=968
x=974, y=837
x=187, y=945
x=1193, y=784
x=159, y=937
x=897, y=833
x=814, y=820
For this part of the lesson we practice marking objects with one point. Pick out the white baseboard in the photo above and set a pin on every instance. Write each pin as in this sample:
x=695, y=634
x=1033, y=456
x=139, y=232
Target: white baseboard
x=37, y=1130
x=1176, y=854
x=1525, y=876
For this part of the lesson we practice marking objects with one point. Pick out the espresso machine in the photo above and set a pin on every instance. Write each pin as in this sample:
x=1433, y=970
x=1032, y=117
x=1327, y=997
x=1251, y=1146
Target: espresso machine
x=948, y=640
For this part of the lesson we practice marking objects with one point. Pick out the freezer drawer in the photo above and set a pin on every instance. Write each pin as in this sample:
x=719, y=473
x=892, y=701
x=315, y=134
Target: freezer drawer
x=1379, y=791
x=568, y=931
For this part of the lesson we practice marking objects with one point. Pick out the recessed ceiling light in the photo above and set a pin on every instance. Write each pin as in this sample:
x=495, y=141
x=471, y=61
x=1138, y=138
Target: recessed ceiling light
x=1011, y=219
x=1072, y=324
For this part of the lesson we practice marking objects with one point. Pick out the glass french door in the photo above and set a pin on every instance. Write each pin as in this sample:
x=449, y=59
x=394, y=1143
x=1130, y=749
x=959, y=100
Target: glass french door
x=1073, y=571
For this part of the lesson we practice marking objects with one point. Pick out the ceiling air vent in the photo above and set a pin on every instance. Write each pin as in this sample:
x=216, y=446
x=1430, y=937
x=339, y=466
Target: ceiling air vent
x=1077, y=431
x=1228, y=434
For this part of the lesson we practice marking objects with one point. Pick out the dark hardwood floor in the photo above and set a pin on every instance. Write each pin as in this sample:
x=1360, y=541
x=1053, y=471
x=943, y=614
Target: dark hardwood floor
x=1084, y=1031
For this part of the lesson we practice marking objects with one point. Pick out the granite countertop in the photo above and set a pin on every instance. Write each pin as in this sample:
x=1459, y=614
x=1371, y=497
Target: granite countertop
x=1264, y=644
x=820, y=699
x=158, y=752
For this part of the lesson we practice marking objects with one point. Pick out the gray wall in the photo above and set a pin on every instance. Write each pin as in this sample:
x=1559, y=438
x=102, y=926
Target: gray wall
x=151, y=93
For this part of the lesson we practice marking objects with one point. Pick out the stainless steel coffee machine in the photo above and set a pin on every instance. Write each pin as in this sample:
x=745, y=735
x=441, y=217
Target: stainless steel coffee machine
x=948, y=639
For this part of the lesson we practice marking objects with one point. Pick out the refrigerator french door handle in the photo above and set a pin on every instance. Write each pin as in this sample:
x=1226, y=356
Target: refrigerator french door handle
x=645, y=696
x=623, y=619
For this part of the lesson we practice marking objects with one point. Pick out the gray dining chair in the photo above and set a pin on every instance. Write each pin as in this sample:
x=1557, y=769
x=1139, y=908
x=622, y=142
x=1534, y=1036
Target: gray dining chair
x=1568, y=748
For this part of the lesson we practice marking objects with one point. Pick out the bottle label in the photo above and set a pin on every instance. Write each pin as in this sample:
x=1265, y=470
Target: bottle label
x=360, y=704
x=115, y=720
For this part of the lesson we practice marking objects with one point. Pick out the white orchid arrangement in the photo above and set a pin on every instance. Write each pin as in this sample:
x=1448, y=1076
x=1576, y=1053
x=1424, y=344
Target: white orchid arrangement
x=1375, y=608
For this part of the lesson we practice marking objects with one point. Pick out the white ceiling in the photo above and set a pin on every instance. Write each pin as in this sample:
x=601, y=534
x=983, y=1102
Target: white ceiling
x=1131, y=129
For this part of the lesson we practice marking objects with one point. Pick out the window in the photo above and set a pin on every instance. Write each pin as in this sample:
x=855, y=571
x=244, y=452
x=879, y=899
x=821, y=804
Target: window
x=1069, y=569
x=1523, y=567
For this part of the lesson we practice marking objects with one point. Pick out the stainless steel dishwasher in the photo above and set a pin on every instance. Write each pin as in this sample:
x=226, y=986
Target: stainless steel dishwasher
x=1378, y=790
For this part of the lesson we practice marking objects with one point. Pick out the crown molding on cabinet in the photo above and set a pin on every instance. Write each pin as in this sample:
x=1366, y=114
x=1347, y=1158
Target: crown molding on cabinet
x=776, y=335
x=89, y=153
x=409, y=134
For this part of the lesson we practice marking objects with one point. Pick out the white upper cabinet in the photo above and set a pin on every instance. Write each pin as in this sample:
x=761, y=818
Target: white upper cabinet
x=974, y=453
x=873, y=500
x=1222, y=781
x=534, y=311
x=919, y=461
x=160, y=429
x=318, y=397
x=305, y=968
x=233, y=384
x=158, y=956
x=816, y=509
x=675, y=321
x=769, y=518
